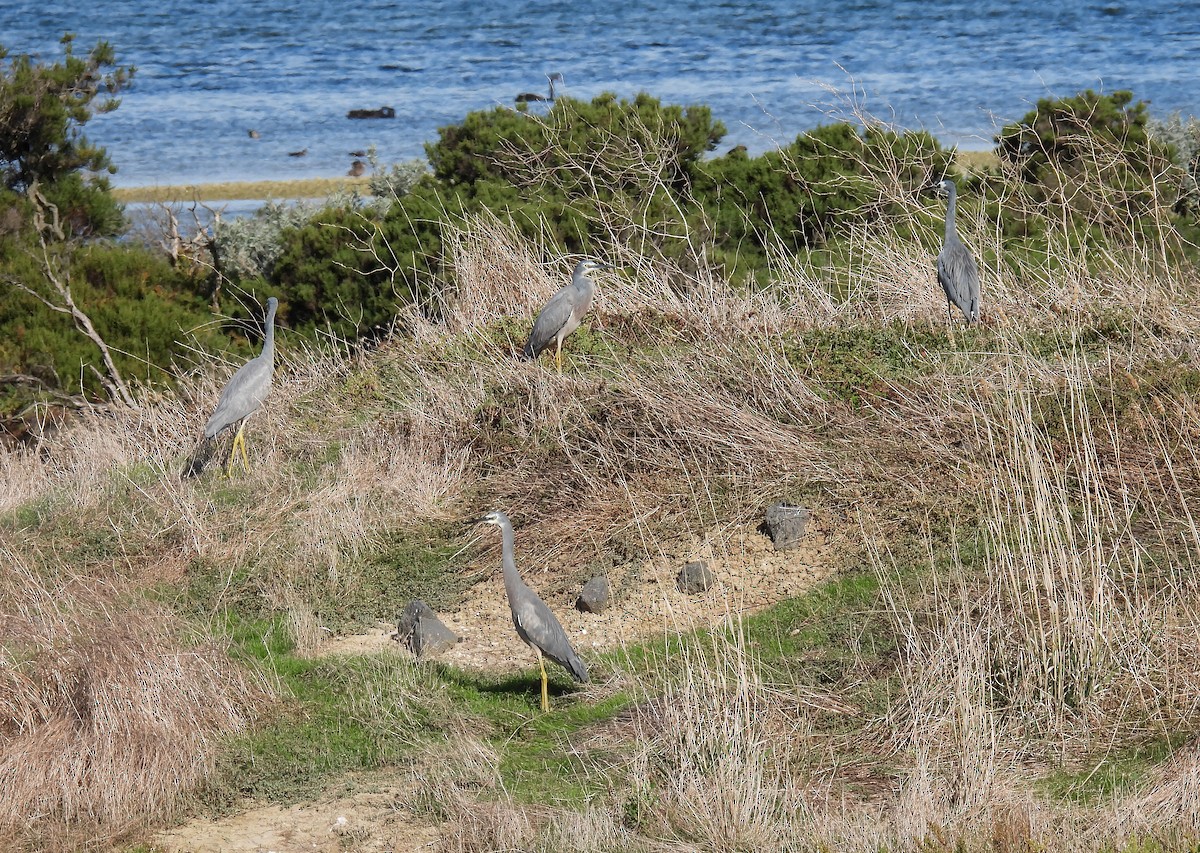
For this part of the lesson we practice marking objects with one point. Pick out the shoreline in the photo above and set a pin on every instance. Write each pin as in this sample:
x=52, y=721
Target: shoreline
x=240, y=190
x=309, y=188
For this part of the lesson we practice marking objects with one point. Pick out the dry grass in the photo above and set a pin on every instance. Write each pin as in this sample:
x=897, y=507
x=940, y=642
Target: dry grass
x=108, y=715
x=1044, y=464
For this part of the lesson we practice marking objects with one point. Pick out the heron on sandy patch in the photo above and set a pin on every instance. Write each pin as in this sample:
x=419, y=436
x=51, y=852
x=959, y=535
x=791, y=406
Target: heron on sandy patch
x=242, y=396
x=956, y=268
x=564, y=312
x=536, y=625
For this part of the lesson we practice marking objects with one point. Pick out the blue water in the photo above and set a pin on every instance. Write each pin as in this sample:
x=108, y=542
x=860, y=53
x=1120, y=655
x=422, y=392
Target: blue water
x=290, y=69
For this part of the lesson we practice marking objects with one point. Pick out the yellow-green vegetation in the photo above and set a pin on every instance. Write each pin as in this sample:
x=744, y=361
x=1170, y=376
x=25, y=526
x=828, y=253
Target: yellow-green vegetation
x=306, y=188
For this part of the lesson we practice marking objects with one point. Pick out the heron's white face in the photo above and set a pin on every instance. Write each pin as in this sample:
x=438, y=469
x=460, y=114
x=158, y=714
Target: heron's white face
x=492, y=517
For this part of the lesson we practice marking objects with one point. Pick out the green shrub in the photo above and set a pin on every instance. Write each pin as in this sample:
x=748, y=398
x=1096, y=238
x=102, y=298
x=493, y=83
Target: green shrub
x=1182, y=138
x=139, y=304
x=815, y=189
x=1089, y=157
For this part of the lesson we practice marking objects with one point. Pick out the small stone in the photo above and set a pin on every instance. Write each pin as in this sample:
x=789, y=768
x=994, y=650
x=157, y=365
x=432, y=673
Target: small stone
x=695, y=577
x=595, y=595
x=422, y=632
x=785, y=524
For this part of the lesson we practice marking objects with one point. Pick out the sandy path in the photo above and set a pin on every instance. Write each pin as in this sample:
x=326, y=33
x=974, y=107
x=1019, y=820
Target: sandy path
x=750, y=575
x=360, y=822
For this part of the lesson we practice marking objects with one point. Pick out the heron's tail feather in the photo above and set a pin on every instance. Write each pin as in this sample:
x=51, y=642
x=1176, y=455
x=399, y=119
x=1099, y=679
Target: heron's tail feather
x=530, y=352
x=577, y=668
x=200, y=458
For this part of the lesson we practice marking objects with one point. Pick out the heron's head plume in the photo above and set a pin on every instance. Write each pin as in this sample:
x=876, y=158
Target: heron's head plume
x=587, y=265
x=494, y=517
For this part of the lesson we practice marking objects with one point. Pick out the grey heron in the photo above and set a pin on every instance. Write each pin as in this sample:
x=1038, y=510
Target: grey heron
x=242, y=396
x=528, y=97
x=536, y=624
x=956, y=268
x=564, y=312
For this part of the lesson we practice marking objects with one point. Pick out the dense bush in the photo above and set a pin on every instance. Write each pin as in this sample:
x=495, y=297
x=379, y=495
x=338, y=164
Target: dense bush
x=43, y=108
x=1089, y=158
x=1182, y=138
x=587, y=175
x=813, y=190
x=137, y=301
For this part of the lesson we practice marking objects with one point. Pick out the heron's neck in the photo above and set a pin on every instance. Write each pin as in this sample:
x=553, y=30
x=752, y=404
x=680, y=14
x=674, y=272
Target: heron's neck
x=269, y=339
x=950, y=229
x=552, y=88
x=511, y=578
x=584, y=284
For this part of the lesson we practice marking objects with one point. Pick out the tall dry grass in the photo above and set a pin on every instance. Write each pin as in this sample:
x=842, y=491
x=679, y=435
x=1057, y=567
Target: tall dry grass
x=107, y=715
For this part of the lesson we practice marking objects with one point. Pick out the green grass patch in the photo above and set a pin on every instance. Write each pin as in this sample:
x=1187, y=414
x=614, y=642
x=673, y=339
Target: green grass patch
x=338, y=715
x=1115, y=772
x=856, y=364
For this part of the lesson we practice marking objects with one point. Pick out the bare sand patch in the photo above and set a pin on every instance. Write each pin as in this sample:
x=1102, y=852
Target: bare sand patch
x=360, y=822
x=749, y=576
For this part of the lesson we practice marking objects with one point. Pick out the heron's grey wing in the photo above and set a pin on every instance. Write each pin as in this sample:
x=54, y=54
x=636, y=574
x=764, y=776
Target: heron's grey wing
x=959, y=278
x=537, y=624
x=242, y=396
x=550, y=321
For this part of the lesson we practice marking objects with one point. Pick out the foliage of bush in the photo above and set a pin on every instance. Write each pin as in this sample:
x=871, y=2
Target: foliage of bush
x=811, y=191
x=587, y=175
x=139, y=304
x=1182, y=138
x=247, y=247
x=43, y=108
x=1089, y=158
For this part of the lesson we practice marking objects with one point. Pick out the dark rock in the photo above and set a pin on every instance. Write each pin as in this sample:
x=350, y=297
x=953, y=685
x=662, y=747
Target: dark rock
x=785, y=524
x=595, y=595
x=357, y=168
x=695, y=577
x=382, y=112
x=422, y=632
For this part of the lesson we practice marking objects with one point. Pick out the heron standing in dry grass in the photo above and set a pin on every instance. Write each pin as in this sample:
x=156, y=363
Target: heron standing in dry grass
x=536, y=624
x=956, y=268
x=242, y=396
x=564, y=312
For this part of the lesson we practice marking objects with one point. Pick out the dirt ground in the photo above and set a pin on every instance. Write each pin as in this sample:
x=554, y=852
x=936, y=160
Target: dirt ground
x=365, y=821
x=749, y=575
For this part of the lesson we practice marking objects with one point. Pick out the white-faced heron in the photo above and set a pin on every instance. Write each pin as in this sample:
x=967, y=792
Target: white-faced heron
x=528, y=97
x=564, y=312
x=242, y=396
x=956, y=268
x=534, y=621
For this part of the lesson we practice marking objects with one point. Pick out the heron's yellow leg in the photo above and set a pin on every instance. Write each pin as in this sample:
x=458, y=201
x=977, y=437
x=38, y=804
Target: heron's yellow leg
x=558, y=357
x=545, y=692
x=239, y=441
x=228, y=466
x=245, y=457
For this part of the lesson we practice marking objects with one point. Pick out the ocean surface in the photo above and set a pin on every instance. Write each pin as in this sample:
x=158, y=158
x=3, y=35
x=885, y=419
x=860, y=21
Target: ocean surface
x=289, y=70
